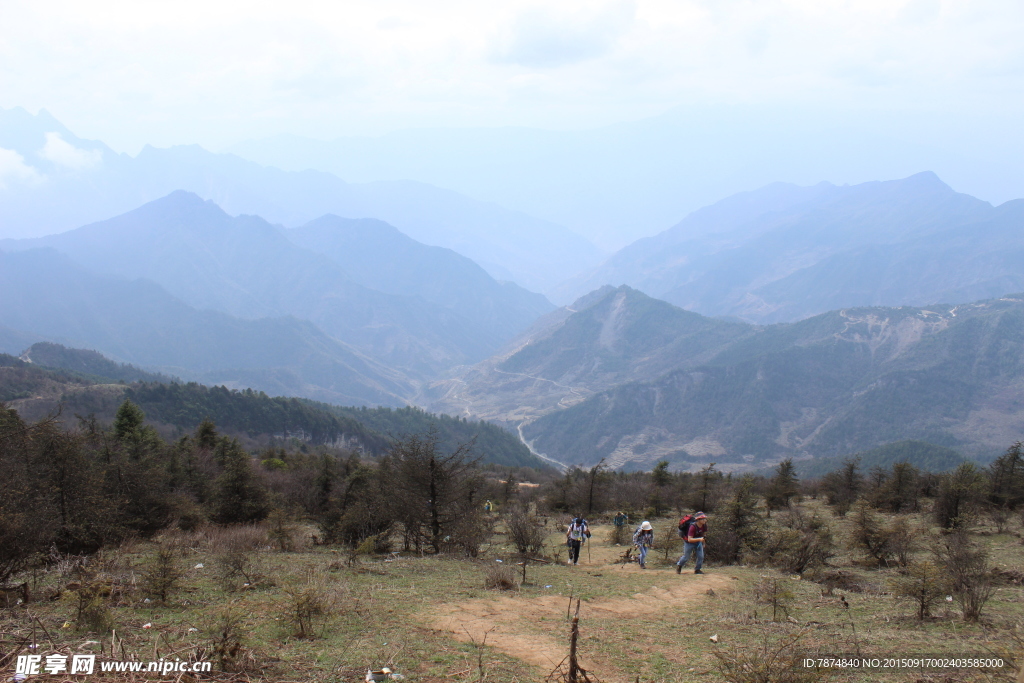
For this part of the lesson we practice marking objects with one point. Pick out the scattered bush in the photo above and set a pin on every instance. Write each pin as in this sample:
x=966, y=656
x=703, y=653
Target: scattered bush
x=783, y=487
x=668, y=542
x=500, y=577
x=838, y=578
x=225, y=629
x=524, y=530
x=92, y=609
x=999, y=516
x=160, y=578
x=774, y=593
x=960, y=494
x=774, y=660
x=282, y=530
x=221, y=539
x=871, y=535
x=239, y=568
x=903, y=540
x=798, y=543
x=843, y=487
x=309, y=605
x=924, y=584
x=618, y=535
x=739, y=528
x=966, y=565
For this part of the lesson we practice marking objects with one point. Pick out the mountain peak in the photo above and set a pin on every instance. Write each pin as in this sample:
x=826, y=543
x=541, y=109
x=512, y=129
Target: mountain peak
x=925, y=180
x=182, y=201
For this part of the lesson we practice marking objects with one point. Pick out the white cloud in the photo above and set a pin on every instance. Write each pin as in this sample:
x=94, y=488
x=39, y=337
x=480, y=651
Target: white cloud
x=13, y=167
x=216, y=71
x=550, y=36
x=63, y=153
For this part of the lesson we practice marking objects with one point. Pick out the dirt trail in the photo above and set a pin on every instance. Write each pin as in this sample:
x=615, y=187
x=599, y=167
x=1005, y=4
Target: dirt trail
x=510, y=620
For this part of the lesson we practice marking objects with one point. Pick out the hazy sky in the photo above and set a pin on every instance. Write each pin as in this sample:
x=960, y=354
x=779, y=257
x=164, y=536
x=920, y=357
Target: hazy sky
x=216, y=72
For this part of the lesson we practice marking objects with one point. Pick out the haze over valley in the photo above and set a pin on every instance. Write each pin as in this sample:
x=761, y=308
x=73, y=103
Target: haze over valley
x=783, y=321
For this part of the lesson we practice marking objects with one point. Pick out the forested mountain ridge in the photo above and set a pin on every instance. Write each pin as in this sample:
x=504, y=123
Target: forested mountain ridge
x=36, y=390
x=604, y=339
x=835, y=384
x=87, y=362
x=922, y=455
x=245, y=267
x=784, y=253
x=620, y=376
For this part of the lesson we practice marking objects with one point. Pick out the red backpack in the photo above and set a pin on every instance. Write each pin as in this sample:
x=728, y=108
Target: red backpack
x=684, y=525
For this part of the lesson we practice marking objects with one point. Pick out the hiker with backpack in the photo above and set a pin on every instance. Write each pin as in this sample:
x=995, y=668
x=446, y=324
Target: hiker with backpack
x=643, y=539
x=575, y=537
x=620, y=519
x=692, y=529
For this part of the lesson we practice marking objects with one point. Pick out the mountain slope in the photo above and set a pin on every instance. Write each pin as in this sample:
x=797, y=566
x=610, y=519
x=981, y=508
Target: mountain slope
x=835, y=384
x=922, y=455
x=248, y=268
x=604, y=339
x=87, y=362
x=137, y=321
x=378, y=256
x=784, y=253
x=35, y=390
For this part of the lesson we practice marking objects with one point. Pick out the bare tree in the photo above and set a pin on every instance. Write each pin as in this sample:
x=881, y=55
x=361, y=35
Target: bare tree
x=438, y=494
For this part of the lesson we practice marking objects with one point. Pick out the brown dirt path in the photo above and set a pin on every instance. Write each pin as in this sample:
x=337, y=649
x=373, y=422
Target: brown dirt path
x=510, y=621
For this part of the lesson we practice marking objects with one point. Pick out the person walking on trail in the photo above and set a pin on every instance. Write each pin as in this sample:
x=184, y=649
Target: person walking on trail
x=575, y=537
x=620, y=519
x=693, y=542
x=643, y=539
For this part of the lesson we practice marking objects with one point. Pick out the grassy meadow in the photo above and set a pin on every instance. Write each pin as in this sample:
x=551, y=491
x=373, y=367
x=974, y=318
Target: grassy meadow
x=232, y=596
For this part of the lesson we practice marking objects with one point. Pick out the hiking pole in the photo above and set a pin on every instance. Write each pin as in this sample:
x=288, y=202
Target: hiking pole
x=588, y=551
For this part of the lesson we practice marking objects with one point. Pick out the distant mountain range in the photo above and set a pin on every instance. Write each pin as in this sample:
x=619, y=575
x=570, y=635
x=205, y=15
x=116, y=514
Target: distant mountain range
x=620, y=182
x=440, y=309
x=632, y=380
x=139, y=322
x=785, y=322
x=56, y=181
x=783, y=253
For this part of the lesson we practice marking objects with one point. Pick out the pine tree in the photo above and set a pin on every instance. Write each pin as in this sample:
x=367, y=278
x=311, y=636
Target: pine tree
x=783, y=486
x=924, y=584
x=1006, y=475
x=900, y=491
x=959, y=495
x=239, y=495
x=843, y=486
x=128, y=420
x=206, y=434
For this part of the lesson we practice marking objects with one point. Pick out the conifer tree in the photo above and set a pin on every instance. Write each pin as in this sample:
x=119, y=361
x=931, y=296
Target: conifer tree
x=843, y=486
x=128, y=420
x=960, y=492
x=1006, y=475
x=783, y=486
x=240, y=496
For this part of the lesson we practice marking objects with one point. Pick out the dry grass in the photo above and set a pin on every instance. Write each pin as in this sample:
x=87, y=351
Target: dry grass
x=380, y=614
x=500, y=577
